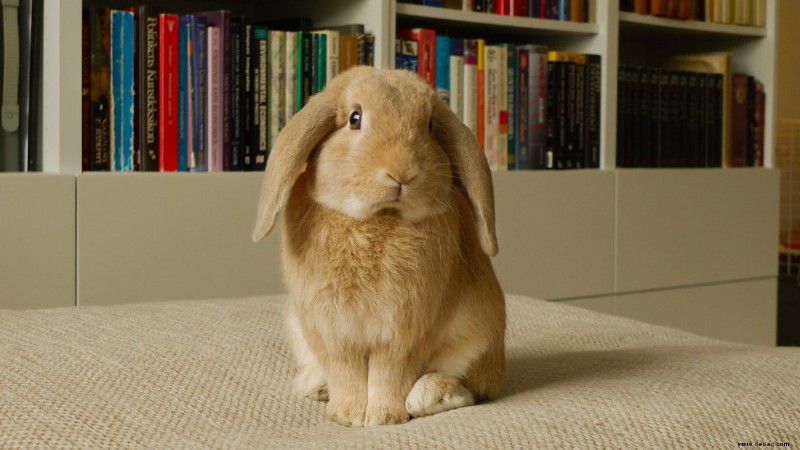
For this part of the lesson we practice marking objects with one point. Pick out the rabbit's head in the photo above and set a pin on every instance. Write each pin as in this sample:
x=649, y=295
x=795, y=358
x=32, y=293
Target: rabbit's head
x=376, y=141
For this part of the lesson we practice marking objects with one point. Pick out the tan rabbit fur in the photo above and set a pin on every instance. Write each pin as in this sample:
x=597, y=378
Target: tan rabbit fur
x=395, y=309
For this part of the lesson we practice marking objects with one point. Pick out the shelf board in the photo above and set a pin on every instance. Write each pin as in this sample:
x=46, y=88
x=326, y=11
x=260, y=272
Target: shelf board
x=460, y=19
x=636, y=23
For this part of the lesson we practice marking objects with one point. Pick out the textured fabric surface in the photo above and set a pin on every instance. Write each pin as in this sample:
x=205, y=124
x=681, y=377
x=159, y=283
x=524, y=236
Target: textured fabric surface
x=216, y=374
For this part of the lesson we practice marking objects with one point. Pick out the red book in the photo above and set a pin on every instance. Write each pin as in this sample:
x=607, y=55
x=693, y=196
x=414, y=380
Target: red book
x=519, y=8
x=502, y=7
x=737, y=153
x=426, y=39
x=168, y=92
x=759, y=124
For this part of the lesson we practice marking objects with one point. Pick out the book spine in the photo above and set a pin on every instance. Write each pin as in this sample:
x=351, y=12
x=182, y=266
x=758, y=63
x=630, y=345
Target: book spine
x=481, y=44
x=200, y=42
x=522, y=156
x=406, y=51
x=593, y=91
x=321, y=59
x=184, y=30
x=147, y=88
x=457, y=77
x=750, y=142
x=443, y=68
x=86, y=104
x=168, y=92
x=471, y=84
x=291, y=74
x=306, y=87
x=237, y=118
x=758, y=130
x=247, y=94
x=491, y=124
x=538, y=96
x=100, y=90
x=511, y=106
x=122, y=42
x=738, y=129
x=277, y=84
x=214, y=101
x=260, y=93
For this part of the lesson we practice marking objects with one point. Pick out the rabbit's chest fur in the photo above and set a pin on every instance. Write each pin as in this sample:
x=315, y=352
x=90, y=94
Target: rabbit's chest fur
x=368, y=281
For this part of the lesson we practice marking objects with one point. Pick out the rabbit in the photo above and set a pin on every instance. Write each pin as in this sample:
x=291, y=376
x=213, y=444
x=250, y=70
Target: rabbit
x=394, y=308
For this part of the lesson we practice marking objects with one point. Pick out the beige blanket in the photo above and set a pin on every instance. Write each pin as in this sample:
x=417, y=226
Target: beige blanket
x=216, y=374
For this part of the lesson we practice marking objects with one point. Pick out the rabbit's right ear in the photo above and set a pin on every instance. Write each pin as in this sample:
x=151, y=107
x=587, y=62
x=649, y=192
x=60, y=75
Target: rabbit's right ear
x=295, y=143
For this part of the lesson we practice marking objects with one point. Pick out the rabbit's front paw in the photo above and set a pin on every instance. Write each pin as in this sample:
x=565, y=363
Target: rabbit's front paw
x=386, y=415
x=434, y=393
x=347, y=413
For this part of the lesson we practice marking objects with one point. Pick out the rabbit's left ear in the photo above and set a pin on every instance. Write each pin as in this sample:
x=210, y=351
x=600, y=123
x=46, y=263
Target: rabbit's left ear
x=295, y=143
x=471, y=169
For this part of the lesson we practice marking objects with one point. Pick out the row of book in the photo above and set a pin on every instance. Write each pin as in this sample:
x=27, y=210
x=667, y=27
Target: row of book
x=199, y=92
x=567, y=10
x=676, y=118
x=530, y=107
x=739, y=12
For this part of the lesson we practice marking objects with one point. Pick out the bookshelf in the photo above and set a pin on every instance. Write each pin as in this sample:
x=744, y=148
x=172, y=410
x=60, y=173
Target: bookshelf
x=616, y=240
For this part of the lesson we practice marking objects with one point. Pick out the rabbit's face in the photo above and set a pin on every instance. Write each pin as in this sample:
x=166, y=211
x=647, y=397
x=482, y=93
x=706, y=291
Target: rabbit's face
x=383, y=155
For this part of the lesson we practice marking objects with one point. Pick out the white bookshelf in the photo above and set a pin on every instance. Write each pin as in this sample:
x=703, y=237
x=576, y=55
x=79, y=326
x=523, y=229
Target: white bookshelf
x=612, y=240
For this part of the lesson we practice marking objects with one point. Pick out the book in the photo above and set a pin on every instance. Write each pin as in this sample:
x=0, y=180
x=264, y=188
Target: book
x=99, y=126
x=214, y=120
x=510, y=110
x=121, y=48
x=538, y=67
x=737, y=151
x=184, y=53
x=199, y=94
x=593, y=119
x=491, y=120
x=443, y=68
x=522, y=159
x=456, y=78
x=222, y=20
x=406, y=54
x=480, y=45
x=260, y=110
x=277, y=83
x=290, y=94
x=146, y=82
x=237, y=117
x=168, y=92
x=471, y=84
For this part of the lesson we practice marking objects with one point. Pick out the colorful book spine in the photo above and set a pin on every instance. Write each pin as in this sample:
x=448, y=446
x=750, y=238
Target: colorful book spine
x=491, y=117
x=522, y=157
x=511, y=106
x=260, y=41
x=290, y=94
x=592, y=110
x=99, y=91
x=184, y=31
x=471, y=84
x=538, y=95
x=199, y=95
x=456, y=78
x=406, y=54
x=443, y=67
x=168, y=92
x=480, y=45
x=237, y=117
x=147, y=88
x=277, y=82
x=214, y=121
x=121, y=44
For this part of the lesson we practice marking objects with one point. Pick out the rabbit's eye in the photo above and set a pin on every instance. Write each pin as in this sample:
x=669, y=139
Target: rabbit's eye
x=355, y=120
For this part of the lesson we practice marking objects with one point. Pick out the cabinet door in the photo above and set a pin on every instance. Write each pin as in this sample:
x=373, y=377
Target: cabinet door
x=556, y=233
x=147, y=237
x=37, y=241
x=741, y=312
x=688, y=227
